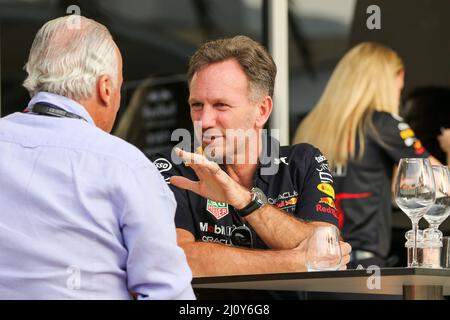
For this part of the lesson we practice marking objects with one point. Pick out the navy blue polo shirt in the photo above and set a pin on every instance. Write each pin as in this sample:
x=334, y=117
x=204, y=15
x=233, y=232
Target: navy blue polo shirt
x=295, y=179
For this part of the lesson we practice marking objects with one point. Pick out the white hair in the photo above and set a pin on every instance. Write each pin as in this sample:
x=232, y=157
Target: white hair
x=67, y=59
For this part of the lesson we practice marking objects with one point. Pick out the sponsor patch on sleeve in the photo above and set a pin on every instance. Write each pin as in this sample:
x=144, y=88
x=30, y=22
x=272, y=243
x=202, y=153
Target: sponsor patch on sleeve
x=410, y=139
x=328, y=201
x=327, y=189
x=162, y=164
x=405, y=134
x=326, y=209
x=320, y=158
x=418, y=148
x=327, y=204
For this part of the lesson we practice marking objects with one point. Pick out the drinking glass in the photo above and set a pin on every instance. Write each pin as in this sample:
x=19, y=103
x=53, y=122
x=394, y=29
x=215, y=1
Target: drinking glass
x=440, y=210
x=324, y=251
x=414, y=193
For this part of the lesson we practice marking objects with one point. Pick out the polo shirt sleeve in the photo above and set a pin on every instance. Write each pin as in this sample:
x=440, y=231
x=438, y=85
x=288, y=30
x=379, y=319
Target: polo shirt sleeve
x=316, y=199
x=396, y=137
x=183, y=214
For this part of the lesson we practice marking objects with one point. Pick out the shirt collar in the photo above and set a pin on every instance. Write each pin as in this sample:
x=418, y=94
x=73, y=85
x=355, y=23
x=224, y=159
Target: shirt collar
x=270, y=152
x=65, y=103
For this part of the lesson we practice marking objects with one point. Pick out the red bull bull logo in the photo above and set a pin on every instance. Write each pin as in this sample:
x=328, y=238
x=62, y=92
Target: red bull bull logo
x=289, y=203
x=328, y=201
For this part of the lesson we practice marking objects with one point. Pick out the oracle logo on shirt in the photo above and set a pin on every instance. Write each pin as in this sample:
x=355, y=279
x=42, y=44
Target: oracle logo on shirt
x=285, y=201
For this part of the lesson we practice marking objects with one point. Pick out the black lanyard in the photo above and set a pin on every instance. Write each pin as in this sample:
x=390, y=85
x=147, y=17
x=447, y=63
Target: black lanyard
x=47, y=109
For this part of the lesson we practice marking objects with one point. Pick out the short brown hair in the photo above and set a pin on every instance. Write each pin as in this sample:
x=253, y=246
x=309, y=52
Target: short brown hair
x=254, y=59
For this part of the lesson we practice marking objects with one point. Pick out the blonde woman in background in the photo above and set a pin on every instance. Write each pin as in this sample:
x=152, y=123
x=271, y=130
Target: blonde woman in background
x=356, y=126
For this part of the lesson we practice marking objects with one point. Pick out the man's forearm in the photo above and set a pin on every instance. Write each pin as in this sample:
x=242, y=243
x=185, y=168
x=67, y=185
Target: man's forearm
x=211, y=259
x=279, y=230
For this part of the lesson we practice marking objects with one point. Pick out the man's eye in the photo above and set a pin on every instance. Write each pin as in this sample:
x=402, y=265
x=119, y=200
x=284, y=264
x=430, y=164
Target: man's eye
x=221, y=105
x=196, y=105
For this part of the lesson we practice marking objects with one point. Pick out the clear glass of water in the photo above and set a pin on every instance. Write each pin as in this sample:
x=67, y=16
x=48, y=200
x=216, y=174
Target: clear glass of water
x=324, y=251
x=414, y=193
x=440, y=210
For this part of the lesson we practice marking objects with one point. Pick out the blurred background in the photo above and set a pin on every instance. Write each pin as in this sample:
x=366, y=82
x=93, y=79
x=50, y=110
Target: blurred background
x=157, y=37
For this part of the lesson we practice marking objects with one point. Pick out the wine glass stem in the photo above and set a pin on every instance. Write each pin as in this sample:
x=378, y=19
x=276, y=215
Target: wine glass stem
x=414, y=262
x=435, y=227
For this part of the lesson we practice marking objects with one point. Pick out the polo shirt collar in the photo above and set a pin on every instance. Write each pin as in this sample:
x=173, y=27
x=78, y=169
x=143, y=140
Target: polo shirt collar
x=269, y=152
x=62, y=102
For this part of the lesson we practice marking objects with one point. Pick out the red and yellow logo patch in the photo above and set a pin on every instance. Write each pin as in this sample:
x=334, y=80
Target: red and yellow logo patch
x=328, y=201
x=291, y=202
x=327, y=189
x=419, y=149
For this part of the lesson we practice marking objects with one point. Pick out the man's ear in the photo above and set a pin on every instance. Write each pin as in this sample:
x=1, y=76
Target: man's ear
x=264, y=111
x=104, y=89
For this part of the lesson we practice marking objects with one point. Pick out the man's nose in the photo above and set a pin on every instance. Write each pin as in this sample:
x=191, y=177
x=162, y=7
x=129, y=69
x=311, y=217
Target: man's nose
x=208, y=117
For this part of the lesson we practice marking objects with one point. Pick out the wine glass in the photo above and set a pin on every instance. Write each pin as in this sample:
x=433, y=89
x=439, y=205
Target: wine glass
x=324, y=251
x=440, y=210
x=414, y=193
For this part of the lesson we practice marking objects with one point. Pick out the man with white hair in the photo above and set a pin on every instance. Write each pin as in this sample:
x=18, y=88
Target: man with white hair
x=83, y=214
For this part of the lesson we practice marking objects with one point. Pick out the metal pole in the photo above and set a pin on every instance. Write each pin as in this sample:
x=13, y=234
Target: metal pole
x=278, y=47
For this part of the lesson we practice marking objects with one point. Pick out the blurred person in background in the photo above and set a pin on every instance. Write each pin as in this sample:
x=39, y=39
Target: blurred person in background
x=357, y=127
x=75, y=219
x=427, y=111
x=444, y=143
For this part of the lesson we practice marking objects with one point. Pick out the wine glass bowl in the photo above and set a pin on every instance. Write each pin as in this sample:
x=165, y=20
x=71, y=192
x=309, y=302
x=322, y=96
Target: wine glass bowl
x=440, y=210
x=415, y=192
